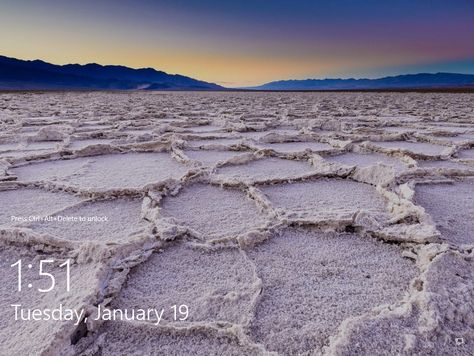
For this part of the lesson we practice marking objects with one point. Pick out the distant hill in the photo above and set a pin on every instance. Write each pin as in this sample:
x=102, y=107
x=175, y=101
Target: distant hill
x=407, y=81
x=18, y=74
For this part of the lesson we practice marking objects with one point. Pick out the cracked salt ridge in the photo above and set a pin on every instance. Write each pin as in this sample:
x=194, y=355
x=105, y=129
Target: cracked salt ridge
x=128, y=170
x=312, y=281
x=212, y=212
x=209, y=157
x=40, y=337
x=415, y=147
x=265, y=169
x=438, y=311
x=123, y=222
x=452, y=208
x=295, y=147
x=324, y=199
x=25, y=202
x=121, y=338
x=363, y=160
x=217, y=286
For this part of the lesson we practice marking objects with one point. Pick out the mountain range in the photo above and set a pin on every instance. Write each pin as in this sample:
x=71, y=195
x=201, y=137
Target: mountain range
x=407, y=81
x=16, y=74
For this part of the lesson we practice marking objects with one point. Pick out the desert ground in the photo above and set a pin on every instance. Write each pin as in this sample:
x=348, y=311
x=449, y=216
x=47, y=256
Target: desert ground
x=286, y=223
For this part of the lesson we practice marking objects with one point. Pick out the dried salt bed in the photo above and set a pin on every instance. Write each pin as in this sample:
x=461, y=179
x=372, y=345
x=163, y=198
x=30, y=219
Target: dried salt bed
x=136, y=132
x=449, y=282
x=130, y=170
x=454, y=139
x=79, y=144
x=366, y=160
x=121, y=338
x=445, y=164
x=213, y=212
x=42, y=145
x=20, y=337
x=19, y=154
x=424, y=148
x=127, y=171
x=325, y=302
x=399, y=129
x=466, y=153
x=9, y=146
x=452, y=208
x=324, y=199
x=313, y=281
x=26, y=202
x=204, y=128
x=210, y=157
x=93, y=128
x=256, y=135
x=214, y=142
x=449, y=128
x=110, y=221
x=217, y=286
x=266, y=169
x=295, y=147
x=439, y=322
x=50, y=170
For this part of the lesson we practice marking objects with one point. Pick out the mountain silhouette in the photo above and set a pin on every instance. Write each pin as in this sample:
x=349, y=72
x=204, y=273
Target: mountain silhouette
x=406, y=81
x=16, y=74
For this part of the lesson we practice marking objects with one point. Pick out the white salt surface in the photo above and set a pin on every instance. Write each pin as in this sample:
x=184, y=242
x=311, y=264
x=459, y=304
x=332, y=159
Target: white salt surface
x=325, y=198
x=19, y=337
x=214, y=142
x=130, y=170
x=210, y=157
x=79, y=144
x=102, y=221
x=221, y=291
x=445, y=164
x=313, y=281
x=122, y=339
x=366, y=160
x=266, y=169
x=415, y=147
x=50, y=170
x=212, y=211
x=295, y=147
x=452, y=208
x=467, y=153
x=27, y=202
x=271, y=255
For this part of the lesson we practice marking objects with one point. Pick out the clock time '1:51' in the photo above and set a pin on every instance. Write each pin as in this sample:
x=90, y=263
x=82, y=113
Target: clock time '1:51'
x=42, y=273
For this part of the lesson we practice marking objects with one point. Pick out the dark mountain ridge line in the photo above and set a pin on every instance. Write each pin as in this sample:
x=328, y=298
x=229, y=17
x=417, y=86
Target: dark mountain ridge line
x=37, y=74
x=406, y=81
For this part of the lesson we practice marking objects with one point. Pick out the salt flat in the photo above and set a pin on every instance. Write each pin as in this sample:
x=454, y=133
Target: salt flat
x=287, y=223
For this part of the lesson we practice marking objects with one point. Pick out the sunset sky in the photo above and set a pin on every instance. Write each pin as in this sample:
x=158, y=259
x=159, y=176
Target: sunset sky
x=247, y=42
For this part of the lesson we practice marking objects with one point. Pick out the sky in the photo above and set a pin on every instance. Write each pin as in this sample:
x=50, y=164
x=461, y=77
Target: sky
x=247, y=42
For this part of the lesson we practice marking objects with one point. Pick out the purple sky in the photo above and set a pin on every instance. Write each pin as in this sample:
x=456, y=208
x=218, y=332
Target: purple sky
x=239, y=43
